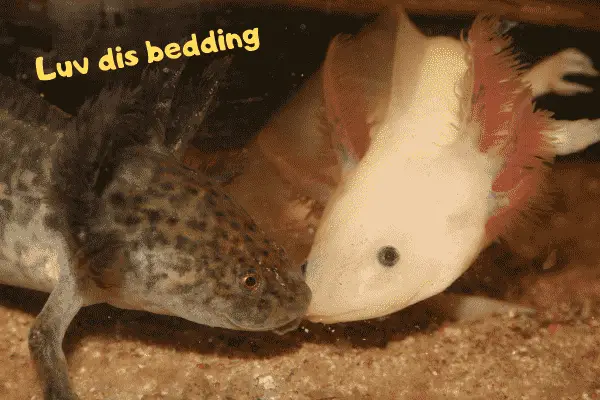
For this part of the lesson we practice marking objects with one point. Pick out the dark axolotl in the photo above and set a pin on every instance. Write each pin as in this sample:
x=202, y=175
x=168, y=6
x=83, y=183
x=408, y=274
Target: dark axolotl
x=96, y=209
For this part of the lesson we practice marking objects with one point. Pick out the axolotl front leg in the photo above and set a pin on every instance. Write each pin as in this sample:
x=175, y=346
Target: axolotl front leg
x=47, y=334
x=547, y=77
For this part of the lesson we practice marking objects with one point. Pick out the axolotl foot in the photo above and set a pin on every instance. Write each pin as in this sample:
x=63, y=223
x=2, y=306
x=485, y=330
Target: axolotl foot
x=548, y=76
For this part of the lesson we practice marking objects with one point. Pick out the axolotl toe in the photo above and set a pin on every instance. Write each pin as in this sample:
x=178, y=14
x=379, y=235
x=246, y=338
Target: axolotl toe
x=95, y=209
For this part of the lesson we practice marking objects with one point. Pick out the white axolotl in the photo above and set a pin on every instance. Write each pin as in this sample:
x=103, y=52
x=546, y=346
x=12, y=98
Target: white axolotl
x=433, y=172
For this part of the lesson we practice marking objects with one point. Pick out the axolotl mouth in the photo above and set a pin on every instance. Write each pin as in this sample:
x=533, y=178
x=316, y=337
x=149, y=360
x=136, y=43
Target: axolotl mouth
x=350, y=316
x=360, y=314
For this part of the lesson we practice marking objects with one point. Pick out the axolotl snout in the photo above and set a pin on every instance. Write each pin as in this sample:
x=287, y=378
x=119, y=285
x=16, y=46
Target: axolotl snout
x=450, y=160
x=95, y=209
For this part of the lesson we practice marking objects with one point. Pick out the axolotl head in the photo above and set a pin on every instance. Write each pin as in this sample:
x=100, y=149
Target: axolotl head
x=399, y=230
x=441, y=174
x=187, y=249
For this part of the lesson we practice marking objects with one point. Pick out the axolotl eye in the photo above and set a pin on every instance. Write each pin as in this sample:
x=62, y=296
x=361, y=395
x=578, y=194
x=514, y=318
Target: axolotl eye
x=388, y=256
x=250, y=281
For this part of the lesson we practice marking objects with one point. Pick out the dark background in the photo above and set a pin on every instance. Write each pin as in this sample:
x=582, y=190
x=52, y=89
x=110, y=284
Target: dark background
x=293, y=45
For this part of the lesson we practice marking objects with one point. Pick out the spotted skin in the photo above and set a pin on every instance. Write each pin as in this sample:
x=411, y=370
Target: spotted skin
x=29, y=251
x=201, y=229
x=94, y=209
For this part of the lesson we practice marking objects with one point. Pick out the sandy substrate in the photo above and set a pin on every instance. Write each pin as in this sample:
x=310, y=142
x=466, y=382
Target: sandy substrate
x=414, y=354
